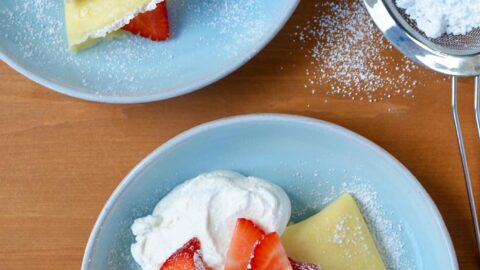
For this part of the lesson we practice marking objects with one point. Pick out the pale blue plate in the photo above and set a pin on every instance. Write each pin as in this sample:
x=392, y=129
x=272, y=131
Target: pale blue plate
x=211, y=38
x=314, y=161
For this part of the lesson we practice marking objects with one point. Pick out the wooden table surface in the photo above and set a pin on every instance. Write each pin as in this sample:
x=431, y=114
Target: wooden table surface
x=60, y=158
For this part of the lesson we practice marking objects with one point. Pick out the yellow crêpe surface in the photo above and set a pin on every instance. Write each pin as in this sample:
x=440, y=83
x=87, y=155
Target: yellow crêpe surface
x=337, y=238
x=83, y=17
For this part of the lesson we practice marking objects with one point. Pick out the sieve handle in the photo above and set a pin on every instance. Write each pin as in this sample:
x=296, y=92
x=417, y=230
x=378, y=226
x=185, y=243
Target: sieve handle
x=466, y=171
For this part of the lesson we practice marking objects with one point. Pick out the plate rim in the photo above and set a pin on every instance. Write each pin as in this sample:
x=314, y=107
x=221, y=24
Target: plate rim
x=211, y=78
x=269, y=117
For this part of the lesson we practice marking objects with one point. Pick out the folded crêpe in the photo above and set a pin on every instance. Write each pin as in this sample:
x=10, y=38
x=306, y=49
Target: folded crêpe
x=88, y=21
x=337, y=238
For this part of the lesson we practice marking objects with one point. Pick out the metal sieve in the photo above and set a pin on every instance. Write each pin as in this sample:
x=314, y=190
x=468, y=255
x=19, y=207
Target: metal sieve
x=455, y=55
x=467, y=44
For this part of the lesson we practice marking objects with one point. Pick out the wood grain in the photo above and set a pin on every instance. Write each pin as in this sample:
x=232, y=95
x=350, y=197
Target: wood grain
x=60, y=158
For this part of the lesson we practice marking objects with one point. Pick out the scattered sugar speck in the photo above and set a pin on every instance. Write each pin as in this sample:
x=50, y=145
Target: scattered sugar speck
x=346, y=52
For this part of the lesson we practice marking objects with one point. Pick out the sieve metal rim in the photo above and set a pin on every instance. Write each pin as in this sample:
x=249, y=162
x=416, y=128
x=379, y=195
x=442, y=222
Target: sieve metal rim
x=455, y=65
x=412, y=46
x=397, y=15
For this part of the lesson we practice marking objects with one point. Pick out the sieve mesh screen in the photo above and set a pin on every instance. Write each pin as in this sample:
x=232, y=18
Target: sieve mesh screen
x=448, y=43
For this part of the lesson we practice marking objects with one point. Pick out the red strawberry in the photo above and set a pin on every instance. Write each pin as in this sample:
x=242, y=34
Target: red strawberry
x=187, y=257
x=151, y=24
x=245, y=236
x=303, y=266
x=269, y=254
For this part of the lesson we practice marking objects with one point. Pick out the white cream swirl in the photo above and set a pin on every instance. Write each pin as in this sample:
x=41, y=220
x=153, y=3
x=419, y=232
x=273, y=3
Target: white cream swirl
x=207, y=207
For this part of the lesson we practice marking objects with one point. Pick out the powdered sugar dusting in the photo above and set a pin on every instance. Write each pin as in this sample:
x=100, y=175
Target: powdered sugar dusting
x=347, y=53
x=386, y=233
x=341, y=236
x=233, y=13
x=33, y=32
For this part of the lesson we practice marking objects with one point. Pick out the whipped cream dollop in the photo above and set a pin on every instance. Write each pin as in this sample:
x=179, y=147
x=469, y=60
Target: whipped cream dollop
x=207, y=207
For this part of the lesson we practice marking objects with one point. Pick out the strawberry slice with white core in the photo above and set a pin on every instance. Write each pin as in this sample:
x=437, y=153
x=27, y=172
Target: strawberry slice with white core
x=303, y=266
x=245, y=236
x=152, y=24
x=269, y=254
x=187, y=257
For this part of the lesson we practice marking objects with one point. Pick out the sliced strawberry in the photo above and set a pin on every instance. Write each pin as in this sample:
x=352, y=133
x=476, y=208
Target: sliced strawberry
x=151, y=24
x=245, y=236
x=269, y=254
x=187, y=257
x=303, y=266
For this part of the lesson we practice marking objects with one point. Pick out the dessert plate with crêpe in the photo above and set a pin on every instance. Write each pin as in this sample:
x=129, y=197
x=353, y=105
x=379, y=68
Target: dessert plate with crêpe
x=346, y=203
x=110, y=51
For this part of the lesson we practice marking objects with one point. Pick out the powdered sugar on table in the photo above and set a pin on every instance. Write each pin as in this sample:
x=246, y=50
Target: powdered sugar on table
x=348, y=55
